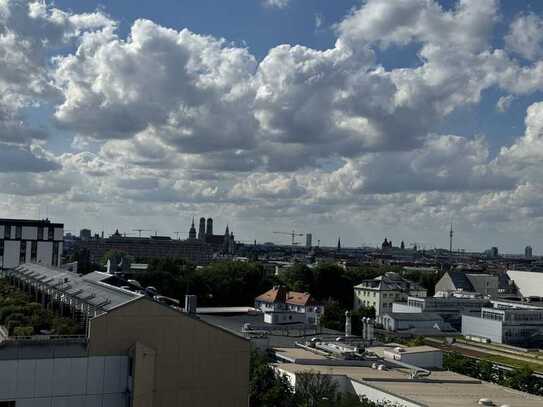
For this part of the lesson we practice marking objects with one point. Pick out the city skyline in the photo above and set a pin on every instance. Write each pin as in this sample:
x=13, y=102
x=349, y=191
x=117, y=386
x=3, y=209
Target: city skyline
x=359, y=120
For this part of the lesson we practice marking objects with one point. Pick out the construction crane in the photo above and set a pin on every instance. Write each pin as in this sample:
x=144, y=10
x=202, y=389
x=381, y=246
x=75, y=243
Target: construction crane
x=141, y=230
x=292, y=234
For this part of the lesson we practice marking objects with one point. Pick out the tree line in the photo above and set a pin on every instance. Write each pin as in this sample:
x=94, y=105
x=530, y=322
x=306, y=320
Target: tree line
x=521, y=378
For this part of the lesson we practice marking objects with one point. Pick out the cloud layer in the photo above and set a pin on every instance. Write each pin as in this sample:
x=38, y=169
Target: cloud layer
x=167, y=120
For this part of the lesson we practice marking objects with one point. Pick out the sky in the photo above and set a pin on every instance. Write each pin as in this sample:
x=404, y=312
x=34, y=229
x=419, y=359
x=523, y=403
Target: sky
x=348, y=118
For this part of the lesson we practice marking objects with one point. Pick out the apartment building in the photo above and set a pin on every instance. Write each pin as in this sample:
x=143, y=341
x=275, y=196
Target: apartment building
x=136, y=352
x=38, y=241
x=381, y=292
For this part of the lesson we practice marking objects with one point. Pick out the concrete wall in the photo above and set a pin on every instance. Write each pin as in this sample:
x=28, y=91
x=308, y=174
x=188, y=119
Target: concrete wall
x=195, y=364
x=86, y=382
x=12, y=251
x=486, y=328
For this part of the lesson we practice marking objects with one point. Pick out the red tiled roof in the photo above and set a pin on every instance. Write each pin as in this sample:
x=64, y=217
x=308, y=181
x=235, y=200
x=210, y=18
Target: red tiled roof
x=280, y=294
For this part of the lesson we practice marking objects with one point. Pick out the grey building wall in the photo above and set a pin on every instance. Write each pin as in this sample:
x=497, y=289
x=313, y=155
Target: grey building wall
x=486, y=328
x=70, y=382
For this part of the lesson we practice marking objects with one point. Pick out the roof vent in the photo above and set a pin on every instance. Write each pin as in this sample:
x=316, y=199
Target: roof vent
x=485, y=402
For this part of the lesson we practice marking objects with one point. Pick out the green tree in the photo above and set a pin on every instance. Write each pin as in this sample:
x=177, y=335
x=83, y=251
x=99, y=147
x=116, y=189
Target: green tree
x=520, y=379
x=23, y=331
x=298, y=278
x=267, y=388
x=315, y=390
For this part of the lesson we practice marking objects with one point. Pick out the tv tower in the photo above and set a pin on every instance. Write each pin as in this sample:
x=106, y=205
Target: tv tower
x=451, y=234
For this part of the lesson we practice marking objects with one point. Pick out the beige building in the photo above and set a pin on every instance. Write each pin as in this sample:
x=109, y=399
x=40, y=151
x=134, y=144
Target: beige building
x=157, y=356
x=381, y=292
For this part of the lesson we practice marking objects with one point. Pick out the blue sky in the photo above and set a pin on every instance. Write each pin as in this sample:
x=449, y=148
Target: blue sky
x=359, y=119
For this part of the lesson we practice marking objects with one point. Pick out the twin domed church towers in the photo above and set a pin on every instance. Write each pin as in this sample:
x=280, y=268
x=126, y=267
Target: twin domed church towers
x=224, y=243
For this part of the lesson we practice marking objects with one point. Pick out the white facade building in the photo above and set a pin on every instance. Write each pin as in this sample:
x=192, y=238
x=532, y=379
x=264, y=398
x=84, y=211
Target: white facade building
x=281, y=306
x=30, y=241
x=381, y=292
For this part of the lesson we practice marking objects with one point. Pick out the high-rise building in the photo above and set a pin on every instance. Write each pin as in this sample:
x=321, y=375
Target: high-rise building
x=528, y=251
x=308, y=240
x=202, y=229
x=85, y=234
x=209, y=229
x=30, y=241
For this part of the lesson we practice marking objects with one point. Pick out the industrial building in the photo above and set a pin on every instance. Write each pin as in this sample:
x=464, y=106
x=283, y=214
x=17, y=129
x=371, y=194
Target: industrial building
x=450, y=307
x=136, y=351
x=38, y=241
x=381, y=292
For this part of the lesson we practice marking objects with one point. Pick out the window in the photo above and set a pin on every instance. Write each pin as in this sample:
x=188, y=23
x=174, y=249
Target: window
x=18, y=232
x=22, y=252
x=7, y=403
x=50, y=234
x=40, y=233
x=34, y=251
x=7, y=232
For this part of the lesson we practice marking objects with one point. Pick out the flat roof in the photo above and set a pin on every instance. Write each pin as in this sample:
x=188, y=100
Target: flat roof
x=441, y=389
x=298, y=353
x=29, y=222
x=235, y=322
x=92, y=288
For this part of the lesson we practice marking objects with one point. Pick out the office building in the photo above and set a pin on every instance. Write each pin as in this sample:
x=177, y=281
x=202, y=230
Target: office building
x=39, y=241
x=513, y=326
x=308, y=240
x=136, y=351
x=381, y=292
x=85, y=234
x=528, y=251
x=449, y=308
x=195, y=251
